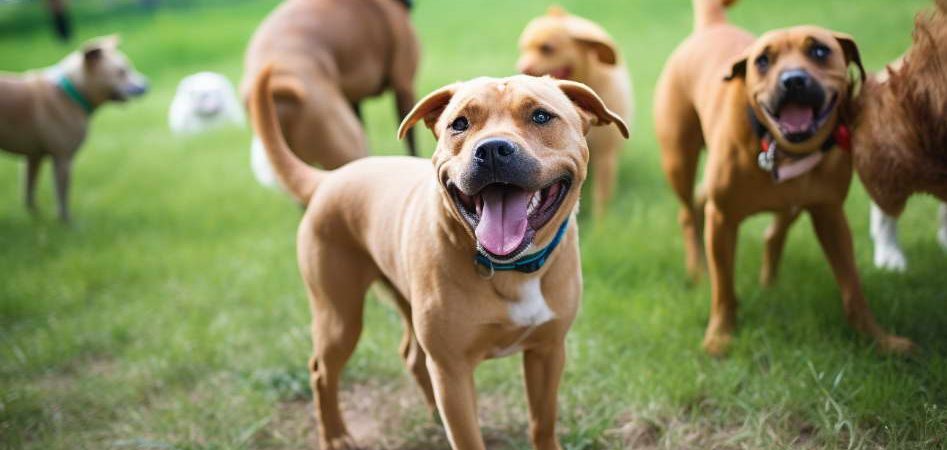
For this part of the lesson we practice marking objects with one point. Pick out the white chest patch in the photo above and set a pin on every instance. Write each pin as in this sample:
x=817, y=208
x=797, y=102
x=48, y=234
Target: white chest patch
x=531, y=309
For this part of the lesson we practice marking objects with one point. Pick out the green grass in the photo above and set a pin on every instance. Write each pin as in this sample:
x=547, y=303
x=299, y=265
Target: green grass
x=171, y=314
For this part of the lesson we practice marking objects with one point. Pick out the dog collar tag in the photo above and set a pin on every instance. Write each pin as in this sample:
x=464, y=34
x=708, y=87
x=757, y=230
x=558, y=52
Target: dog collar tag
x=767, y=159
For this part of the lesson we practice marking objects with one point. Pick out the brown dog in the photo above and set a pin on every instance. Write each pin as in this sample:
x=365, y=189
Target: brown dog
x=330, y=55
x=900, y=140
x=47, y=113
x=480, y=249
x=789, y=90
x=572, y=48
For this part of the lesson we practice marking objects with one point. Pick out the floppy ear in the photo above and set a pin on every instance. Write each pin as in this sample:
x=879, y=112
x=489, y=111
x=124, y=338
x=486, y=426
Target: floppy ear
x=590, y=36
x=850, y=49
x=429, y=109
x=93, y=49
x=737, y=70
x=590, y=106
x=603, y=50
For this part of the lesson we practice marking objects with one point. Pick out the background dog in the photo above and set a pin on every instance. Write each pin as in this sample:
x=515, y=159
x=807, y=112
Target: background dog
x=204, y=101
x=900, y=140
x=573, y=48
x=503, y=189
x=771, y=112
x=46, y=113
x=330, y=56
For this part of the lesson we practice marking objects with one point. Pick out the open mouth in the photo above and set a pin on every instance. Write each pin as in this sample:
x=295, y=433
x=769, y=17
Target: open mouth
x=799, y=120
x=506, y=217
x=561, y=73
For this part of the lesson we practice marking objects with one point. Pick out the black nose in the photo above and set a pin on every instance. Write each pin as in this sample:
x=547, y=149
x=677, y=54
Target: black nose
x=494, y=151
x=795, y=80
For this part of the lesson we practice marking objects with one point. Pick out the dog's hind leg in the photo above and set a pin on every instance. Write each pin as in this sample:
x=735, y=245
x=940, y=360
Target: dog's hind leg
x=337, y=278
x=835, y=237
x=775, y=241
x=678, y=132
x=327, y=130
x=415, y=360
x=33, y=163
x=942, y=228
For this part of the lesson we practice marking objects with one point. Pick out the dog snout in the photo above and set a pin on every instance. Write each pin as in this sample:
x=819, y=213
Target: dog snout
x=494, y=152
x=499, y=160
x=795, y=80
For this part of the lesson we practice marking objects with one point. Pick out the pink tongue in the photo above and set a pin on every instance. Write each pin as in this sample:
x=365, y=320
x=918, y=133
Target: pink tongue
x=502, y=224
x=795, y=118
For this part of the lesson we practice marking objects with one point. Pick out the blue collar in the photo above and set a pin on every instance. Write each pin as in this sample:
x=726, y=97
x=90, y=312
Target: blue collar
x=527, y=264
x=70, y=90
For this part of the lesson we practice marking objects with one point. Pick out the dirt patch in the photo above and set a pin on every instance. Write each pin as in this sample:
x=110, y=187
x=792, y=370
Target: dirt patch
x=392, y=416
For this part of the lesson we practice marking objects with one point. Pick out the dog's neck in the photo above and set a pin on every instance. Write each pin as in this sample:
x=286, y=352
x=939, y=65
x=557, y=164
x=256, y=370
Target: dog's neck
x=790, y=165
x=529, y=262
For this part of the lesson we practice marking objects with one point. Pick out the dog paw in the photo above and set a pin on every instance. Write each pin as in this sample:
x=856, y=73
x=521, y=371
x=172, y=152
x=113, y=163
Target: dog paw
x=890, y=258
x=895, y=345
x=344, y=442
x=717, y=344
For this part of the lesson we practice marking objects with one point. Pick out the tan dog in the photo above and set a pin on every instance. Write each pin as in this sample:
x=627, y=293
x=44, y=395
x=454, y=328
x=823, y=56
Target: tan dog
x=789, y=90
x=480, y=249
x=330, y=55
x=900, y=140
x=46, y=113
x=572, y=48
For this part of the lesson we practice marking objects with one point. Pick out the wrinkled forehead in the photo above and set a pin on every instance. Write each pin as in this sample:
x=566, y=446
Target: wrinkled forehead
x=494, y=96
x=794, y=39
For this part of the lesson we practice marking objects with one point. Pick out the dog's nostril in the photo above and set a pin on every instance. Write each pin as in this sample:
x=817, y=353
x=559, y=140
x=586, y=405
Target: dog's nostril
x=480, y=153
x=505, y=149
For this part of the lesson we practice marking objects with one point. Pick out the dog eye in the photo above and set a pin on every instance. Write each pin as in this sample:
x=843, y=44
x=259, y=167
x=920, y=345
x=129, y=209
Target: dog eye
x=460, y=124
x=762, y=63
x=541, y=116
x=546, y=49
x=819, y=52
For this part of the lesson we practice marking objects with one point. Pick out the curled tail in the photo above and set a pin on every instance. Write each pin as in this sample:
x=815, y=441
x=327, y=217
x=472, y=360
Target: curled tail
x=710, y=12
x=297, y=177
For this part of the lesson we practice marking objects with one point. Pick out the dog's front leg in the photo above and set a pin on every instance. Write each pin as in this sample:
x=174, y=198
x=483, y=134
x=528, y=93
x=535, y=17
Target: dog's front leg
x=457, y=402
x=62, y=167
x=33, y=163
x=831, y=227
x=543, y=370
x=721, y=242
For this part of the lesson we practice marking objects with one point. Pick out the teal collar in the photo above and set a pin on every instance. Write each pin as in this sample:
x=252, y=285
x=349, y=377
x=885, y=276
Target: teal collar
x=526, y=264
x=70, y=89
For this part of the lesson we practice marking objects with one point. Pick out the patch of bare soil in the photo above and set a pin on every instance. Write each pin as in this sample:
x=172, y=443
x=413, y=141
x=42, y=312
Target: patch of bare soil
x=391, y=415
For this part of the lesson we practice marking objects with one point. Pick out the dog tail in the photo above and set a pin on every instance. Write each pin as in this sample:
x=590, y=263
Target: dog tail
x=297, y=177
x=710, y=12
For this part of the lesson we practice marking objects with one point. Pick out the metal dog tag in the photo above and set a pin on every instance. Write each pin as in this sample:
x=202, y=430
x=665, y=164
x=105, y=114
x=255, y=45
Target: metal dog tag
x=767, y=160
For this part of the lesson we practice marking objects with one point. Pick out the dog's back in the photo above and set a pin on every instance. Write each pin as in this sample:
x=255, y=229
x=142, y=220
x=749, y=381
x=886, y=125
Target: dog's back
x=350, y=43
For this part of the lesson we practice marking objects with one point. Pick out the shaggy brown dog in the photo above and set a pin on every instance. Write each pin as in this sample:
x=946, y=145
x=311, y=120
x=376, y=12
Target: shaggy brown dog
x=770, y=111
x=900, y=138
x=329, y=56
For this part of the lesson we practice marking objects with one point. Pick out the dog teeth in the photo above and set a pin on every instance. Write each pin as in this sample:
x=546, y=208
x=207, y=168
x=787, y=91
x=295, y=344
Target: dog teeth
x=534, y=203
